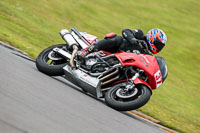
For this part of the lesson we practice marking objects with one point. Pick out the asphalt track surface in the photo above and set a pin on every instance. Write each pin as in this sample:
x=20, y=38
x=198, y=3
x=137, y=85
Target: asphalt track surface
x=32, y=102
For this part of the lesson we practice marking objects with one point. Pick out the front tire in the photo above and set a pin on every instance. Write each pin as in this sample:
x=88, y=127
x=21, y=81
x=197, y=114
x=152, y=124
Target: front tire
x=131, y=102
x=51, y=69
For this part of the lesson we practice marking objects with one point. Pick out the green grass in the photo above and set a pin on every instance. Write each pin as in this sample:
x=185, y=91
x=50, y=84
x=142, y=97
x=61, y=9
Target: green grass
x=34, y=25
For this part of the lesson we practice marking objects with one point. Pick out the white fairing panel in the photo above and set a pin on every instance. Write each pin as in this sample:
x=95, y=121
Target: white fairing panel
x=158, y=78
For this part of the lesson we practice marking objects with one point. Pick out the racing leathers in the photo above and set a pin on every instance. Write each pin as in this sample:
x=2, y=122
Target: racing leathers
x=130, y=41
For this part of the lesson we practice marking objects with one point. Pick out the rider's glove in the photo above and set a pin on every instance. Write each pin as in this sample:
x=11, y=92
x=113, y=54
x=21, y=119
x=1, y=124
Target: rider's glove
x=133, y=41
x=142, y=44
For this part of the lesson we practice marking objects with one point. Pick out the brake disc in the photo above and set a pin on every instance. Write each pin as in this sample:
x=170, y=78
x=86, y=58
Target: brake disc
x=122, y=94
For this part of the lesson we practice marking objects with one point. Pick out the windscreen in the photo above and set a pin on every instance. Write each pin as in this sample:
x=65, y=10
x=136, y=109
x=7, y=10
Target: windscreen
x=163, y=67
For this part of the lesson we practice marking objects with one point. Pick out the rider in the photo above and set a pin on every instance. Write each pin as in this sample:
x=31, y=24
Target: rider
x=130, y=41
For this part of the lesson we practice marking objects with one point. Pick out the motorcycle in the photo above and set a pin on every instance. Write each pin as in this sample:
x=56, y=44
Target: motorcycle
x=124, y=79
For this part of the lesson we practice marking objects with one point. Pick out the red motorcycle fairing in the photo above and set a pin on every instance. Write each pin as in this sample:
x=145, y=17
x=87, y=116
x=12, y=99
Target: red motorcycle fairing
x=147, y=63
x=140, y=81
x=136, y=81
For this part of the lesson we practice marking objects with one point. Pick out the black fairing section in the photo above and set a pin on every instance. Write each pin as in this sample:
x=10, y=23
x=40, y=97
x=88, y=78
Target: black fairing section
x=163, y=67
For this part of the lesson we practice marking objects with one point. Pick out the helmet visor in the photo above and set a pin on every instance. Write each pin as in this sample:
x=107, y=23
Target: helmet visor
x=158, y=44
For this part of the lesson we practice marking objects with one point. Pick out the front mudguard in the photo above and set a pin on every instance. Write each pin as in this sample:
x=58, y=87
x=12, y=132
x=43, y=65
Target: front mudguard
x=138, y=81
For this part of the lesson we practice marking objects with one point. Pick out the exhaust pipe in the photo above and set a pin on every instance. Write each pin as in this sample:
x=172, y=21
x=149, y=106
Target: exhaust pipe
x=71, y=62
x=110, y=81
x=109, y=75
x=67, y=37
x=110, y=70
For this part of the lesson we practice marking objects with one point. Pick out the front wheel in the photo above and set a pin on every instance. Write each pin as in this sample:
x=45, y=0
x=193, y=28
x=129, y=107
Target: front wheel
x=51, y=63
x=120, y=99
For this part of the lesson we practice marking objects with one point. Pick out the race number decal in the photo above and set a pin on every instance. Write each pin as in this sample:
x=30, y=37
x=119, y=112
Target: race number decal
x=158, y=78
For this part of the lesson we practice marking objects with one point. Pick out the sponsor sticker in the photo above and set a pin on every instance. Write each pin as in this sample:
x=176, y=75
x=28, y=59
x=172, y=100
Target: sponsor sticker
x=158, y=78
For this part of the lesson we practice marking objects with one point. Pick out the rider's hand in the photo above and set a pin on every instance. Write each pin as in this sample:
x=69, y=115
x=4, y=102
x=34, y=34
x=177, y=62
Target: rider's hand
x=142, y=44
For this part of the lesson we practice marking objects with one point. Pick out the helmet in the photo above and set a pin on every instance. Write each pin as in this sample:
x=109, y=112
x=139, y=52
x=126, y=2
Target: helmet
x=156, y=39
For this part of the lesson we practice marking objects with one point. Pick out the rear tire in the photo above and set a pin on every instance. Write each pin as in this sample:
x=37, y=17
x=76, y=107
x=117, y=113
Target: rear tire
x=138, y=100
x=52, y=70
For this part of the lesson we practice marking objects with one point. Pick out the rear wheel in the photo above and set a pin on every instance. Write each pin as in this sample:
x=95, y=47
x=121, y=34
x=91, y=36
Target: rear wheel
x=122, y=100
x=51, y=63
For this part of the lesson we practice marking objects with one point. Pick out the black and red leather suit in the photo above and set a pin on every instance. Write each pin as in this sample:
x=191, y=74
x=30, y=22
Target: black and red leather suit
x=130, y=41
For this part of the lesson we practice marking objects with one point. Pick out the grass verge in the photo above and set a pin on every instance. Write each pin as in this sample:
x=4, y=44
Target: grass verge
x=34, y=25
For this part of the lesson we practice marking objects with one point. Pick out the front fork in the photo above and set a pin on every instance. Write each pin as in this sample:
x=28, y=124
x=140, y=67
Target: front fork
x=135, y=80
x=131, y=84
